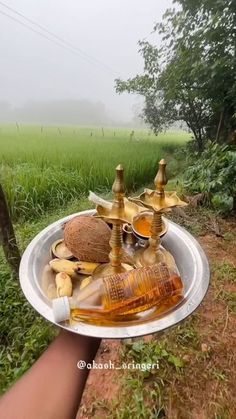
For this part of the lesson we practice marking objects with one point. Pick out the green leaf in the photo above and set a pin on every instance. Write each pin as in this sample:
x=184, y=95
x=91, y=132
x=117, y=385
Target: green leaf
x=176, y=361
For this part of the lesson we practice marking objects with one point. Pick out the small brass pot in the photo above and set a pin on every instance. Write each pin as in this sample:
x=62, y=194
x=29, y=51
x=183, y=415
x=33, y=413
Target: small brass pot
x=147, y=217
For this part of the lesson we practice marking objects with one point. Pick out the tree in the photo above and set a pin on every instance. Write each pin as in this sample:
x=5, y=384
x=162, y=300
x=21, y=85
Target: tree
x=191, y=76
x=7, y=235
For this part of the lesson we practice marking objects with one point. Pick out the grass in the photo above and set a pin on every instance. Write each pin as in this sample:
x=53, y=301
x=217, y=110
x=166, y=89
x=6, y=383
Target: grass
x=42, y=171
x=228, y=297
x=24, y=333
x=142, y=391
x=224, y=271
x=184, y=369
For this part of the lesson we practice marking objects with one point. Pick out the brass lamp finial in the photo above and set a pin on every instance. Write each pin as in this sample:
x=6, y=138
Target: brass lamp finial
x=161, y=179
x=118, y=187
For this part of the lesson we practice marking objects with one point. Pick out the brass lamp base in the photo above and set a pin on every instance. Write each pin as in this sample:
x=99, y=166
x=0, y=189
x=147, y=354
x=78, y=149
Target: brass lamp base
x=146, y=257
x=107, y=269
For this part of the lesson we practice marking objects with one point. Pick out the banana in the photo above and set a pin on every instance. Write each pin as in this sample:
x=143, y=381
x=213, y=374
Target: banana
x=63, y=265
x=64, y=285
x=71, y=268
x=86, y=268
x=85, y=282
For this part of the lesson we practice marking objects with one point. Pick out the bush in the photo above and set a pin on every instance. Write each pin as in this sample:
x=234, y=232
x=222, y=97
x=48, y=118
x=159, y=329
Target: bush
x=214, y=173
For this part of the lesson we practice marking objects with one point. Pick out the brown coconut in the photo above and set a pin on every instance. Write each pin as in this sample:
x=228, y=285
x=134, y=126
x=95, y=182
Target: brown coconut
x=88, y=238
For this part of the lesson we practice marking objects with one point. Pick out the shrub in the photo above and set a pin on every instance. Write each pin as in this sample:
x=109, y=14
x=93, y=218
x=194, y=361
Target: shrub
x=214, y=173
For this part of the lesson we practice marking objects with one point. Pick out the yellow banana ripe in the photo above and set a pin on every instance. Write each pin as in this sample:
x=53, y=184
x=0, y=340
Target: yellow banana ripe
x=85, y=282
x=86, y=268
x=64, y=285
x=71, y=268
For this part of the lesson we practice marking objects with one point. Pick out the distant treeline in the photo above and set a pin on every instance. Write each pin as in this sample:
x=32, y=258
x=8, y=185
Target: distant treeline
x=57, y=111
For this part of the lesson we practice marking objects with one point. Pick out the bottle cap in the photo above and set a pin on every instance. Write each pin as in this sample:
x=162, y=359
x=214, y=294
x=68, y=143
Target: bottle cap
x=61, y=309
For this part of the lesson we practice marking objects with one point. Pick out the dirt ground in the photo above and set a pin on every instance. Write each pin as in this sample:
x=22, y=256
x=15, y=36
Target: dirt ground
x=207, y=386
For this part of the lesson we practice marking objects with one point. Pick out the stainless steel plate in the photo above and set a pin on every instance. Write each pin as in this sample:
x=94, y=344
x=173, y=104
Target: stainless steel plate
x=189, y=256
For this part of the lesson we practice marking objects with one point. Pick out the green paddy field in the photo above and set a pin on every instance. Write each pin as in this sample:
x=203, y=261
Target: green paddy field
x=45, y=168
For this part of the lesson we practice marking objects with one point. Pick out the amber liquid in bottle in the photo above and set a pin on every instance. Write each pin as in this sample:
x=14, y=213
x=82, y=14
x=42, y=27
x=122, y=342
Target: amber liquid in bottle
x=132, y=292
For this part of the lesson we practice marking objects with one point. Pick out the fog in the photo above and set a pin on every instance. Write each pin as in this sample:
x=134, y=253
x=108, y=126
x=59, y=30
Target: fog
x=44, y=80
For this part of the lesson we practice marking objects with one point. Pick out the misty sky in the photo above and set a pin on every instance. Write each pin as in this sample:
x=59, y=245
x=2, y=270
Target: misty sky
x=33, y=68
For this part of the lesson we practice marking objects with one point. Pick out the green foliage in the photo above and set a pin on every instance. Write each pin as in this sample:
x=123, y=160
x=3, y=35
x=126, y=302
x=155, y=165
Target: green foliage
x=142, y=394
x=45, y=171
x=187, y=335
x=229, y=297
x=151, y=353
x=213, y=173
x=191, y=76
x=24, y=334
x=225, y=272
x=143, y=402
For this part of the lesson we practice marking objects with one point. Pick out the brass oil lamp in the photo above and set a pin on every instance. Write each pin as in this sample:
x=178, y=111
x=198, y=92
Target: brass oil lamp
x=159, y=202
x=120, y=212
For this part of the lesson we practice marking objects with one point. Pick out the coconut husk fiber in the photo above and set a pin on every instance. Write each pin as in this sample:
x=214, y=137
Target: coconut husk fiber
x=88, y=238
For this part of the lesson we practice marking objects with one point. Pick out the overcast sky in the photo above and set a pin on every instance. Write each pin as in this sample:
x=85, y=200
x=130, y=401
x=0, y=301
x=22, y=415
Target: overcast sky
x=33, y=68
